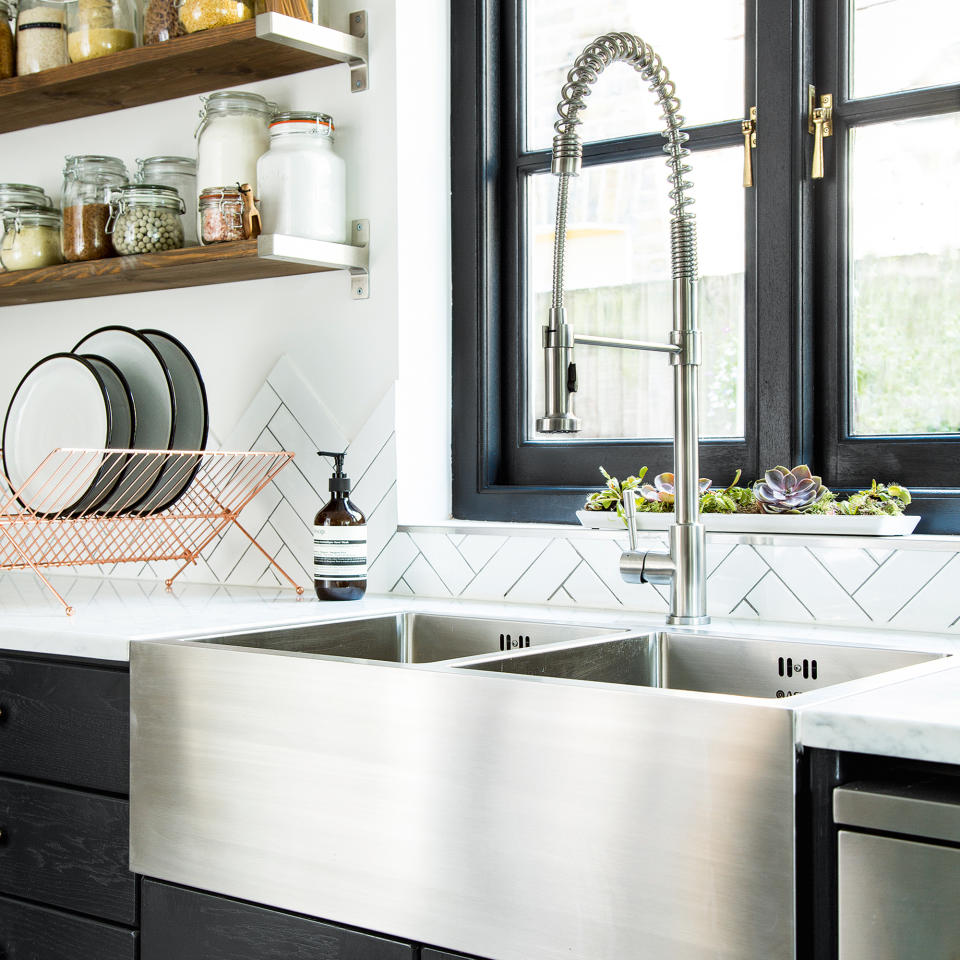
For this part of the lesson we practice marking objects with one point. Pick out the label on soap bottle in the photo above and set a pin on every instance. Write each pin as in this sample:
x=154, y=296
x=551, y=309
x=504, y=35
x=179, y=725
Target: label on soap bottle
x=340, y=553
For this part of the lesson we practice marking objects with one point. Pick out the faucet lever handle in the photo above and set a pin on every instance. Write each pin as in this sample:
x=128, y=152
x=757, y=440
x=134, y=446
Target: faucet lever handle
x=630, y=510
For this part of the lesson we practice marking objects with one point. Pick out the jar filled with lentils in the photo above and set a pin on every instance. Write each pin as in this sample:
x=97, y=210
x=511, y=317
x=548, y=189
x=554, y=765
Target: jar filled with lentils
x=41, y=36
x=88, y=184
x=7, y=61
x=147, y=219
x=196, y=15
x=221, y=215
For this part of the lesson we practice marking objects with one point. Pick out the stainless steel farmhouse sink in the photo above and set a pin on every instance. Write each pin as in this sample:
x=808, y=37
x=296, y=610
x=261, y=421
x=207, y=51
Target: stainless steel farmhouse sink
x=705, y=663
x=500, y=804
x=412, y=637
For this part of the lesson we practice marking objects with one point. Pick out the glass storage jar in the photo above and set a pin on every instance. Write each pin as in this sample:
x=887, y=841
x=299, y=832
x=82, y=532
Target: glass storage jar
x=146, y=218
x=96, y=28
x=221, y=215
x=161, y=21
x=7, y=60
x=179, y=173
x=198, y=15
x=302, y=181
x=41, y=36
x=31, y=238
x=22, y=196
x=88, y=183
x=232, y=134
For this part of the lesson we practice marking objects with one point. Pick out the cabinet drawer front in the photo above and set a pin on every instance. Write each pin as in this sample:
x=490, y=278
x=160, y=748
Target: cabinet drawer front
x=29, y=932
x=65, y=723
x=67, y=849
x=188, y=925
x=897, y=899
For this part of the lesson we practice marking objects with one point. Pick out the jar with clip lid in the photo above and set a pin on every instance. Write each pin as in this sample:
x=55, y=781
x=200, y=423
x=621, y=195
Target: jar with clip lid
x=31, y=238
x=221, y=215
x=7, y=61
x=146, y=218
x=302, y=181
x=179, y=173
x=88, y=185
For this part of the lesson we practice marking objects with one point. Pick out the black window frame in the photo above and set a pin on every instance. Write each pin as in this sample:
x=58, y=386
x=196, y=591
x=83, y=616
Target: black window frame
x=497, y=475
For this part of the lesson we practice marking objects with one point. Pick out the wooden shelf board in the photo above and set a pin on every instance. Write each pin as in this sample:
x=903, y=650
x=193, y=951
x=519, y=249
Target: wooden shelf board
x=198, y=63
x=190, y=267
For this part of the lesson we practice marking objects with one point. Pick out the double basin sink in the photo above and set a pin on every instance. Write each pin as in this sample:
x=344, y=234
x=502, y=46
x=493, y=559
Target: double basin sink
x=506, y=789
x=705, y=663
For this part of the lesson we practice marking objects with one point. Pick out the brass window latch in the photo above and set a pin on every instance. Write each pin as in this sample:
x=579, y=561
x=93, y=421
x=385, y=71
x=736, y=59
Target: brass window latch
x=749, y=130
x=820, y=124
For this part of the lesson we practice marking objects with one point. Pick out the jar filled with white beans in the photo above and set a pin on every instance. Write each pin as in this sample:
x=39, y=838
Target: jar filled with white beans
x=146, y=218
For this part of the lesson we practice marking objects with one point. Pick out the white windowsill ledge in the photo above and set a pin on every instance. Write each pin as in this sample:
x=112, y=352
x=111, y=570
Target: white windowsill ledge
x=837, y=541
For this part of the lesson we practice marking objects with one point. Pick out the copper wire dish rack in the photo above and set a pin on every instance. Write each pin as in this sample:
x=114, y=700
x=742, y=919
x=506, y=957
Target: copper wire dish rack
x=44, y=523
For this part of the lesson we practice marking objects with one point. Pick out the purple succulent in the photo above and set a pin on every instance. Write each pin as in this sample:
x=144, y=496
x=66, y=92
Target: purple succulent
x=662, y=490
x=789, y=491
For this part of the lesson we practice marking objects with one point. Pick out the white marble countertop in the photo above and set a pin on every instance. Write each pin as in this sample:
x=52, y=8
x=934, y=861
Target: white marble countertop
x=917, y=718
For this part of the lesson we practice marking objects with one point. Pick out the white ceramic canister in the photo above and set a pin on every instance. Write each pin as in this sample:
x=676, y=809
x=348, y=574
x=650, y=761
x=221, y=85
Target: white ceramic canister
x=232, y=135
x=302, y=181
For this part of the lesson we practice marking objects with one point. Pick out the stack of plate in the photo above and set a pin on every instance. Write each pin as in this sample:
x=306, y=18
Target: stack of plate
x=118, y=389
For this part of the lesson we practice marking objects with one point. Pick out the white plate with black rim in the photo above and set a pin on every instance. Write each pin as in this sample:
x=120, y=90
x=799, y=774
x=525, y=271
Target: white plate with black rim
x=62, y=402
x=192, y=422
x=152, y=389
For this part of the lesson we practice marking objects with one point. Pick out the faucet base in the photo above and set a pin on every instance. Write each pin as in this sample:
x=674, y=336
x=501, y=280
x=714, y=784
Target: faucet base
x=564, y=424
x=687, y=621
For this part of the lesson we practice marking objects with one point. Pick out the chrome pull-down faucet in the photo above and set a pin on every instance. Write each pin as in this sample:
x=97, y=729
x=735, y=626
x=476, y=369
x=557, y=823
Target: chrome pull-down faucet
x=684, y=567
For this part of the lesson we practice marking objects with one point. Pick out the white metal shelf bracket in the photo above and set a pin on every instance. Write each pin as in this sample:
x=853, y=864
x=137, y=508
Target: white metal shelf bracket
x=350, y=48
x=353, y=257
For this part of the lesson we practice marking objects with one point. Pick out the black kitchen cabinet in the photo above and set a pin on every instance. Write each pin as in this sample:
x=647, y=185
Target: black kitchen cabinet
x=65, y=723
x=66, y=892
x=190, y=925
x=31, y=932
x=66, y=848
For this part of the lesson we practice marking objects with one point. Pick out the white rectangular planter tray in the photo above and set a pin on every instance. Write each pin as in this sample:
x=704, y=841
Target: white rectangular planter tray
x=815, y=525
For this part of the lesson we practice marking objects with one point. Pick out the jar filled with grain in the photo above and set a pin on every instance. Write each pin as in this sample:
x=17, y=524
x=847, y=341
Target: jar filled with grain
x=88, y=185
x=22, y=196
x=161, y=22
x=179, y=173
x=198, y=15
x=31, y=238
x=7, y=60
x=147, y=218
x=41, y=36
x=221, y=215
x=97, y=28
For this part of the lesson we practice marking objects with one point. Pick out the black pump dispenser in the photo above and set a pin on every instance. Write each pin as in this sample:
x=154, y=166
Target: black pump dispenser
x=339, y=482
x=339, y=541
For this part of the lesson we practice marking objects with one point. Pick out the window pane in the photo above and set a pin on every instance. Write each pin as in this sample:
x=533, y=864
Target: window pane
x=904, y=45
x=905, y=277
x=618, y=284
x=700, y=41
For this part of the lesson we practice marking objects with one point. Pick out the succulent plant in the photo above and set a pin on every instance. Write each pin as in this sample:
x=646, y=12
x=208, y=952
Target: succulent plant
x=662, y=490
x=881, y=500
x=789, y=491
x=733, y=499
x=611, y=496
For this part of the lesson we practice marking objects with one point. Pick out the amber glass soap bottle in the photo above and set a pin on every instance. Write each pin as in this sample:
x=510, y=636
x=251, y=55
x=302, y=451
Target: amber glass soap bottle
x=339, y=542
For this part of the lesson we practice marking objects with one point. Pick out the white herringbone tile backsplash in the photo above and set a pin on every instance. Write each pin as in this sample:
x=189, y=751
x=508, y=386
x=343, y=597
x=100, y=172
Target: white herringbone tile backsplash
x=900, y=588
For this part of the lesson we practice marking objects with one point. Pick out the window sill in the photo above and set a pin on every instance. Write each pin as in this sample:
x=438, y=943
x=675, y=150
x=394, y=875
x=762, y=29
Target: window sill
x=576, y=532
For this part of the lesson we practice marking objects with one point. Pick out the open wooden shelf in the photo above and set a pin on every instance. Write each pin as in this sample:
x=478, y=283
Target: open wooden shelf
x=269, y=256
x=271, y=45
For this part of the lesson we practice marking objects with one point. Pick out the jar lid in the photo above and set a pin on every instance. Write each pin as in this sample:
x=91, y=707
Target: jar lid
x=94, y=163
x=185, y=165
x=32, y=216
x=315, y=124
x=153, y=194
x=221, y=193
x=22, y=194
x=236, y=101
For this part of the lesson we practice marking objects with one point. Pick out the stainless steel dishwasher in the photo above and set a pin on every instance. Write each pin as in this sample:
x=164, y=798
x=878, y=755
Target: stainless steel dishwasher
x=899, y=870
